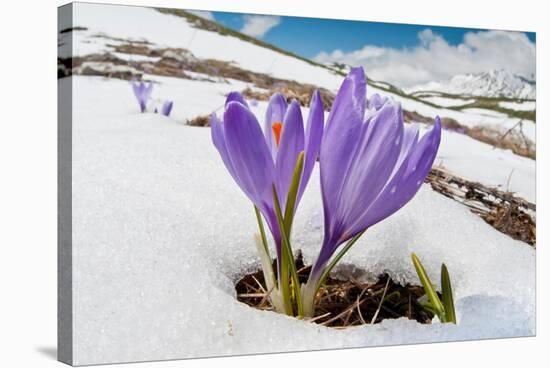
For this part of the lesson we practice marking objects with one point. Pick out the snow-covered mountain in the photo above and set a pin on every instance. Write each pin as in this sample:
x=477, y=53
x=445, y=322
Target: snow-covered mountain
x=495, y=83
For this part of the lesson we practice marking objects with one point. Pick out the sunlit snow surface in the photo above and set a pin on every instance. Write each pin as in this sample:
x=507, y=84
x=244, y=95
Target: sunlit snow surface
x=161, y=233
x=521, y=106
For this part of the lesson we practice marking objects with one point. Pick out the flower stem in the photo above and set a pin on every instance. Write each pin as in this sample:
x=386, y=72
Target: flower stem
x=267, y=268
x=316, y=279
x=336, y=259
x=287, y=264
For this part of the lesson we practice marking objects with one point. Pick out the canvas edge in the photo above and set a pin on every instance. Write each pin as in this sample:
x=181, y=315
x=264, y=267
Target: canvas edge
x=64, y=205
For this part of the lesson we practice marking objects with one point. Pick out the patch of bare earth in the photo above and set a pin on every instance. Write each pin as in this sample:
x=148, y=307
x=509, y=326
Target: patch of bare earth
x=345, y=303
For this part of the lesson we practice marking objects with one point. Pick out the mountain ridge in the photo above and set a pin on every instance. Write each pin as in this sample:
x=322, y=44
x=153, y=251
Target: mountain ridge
x=493, y=83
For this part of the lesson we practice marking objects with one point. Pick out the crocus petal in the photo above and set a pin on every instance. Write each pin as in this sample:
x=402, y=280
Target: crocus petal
x=340, y=138
x=291, y=144
x=410, y=139
x=167, y=108
x=235, y=96
x=407, y=180
x=142, y=93
x=148, y=91
x=218, y=138
x=314, y=134
x=373, y=163
x=376, y=101
x=136, y=89
x=276, y=110
x=249, y=154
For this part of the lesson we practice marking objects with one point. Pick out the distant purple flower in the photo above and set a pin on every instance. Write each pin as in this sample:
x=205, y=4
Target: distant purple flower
x=258, y=160
x=142, y=93
x=371, y=164
x=166, y=108
x=254, y=102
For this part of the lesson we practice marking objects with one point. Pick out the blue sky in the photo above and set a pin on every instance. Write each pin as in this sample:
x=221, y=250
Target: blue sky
x=403, y=54
x=309, y=36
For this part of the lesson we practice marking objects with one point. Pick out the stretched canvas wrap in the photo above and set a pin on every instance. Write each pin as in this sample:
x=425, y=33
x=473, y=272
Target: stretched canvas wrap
x=240, y=184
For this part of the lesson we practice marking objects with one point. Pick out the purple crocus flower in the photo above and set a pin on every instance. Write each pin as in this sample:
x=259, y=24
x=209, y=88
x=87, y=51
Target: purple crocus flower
x=258, y=160
x=371, y=165
x=142, y=93
x=166, y=108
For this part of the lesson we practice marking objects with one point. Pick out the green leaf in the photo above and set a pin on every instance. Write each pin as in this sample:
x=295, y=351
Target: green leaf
x=293, y=193
x=447, y=295
x=428, y=288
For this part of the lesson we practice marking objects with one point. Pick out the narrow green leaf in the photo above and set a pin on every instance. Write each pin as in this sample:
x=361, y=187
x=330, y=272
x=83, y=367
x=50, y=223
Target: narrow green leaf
x=428, y=287
x=284, y=283
x=288, y=257
x=293, y=193
x=282, y=265
x=447, y=295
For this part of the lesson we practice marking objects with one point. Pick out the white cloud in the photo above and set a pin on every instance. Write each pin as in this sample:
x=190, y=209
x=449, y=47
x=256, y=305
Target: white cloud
x=258, y=25
x=434, y=59
x=203, y=14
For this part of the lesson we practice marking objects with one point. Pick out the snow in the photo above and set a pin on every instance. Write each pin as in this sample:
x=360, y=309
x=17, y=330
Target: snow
x=520, y=106
x=164, y=30
x=485, y=112
x=161, y=233
x=482, y=163
x=494, y=83
x=448, y=102
x=135, y=57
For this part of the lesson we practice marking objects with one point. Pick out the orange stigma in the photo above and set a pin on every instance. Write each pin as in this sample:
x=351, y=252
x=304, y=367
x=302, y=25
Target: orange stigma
x=277, y=126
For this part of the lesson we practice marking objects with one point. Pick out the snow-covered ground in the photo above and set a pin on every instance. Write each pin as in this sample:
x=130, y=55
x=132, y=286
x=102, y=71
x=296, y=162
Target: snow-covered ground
x=165, y=30
x=482, y=163
x=485, y=112
x=161, y=233
x=521, y=106
x=447, y=102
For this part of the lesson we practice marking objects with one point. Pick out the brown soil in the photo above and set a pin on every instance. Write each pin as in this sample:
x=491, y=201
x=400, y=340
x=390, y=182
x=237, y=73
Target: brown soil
x=342, y=304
